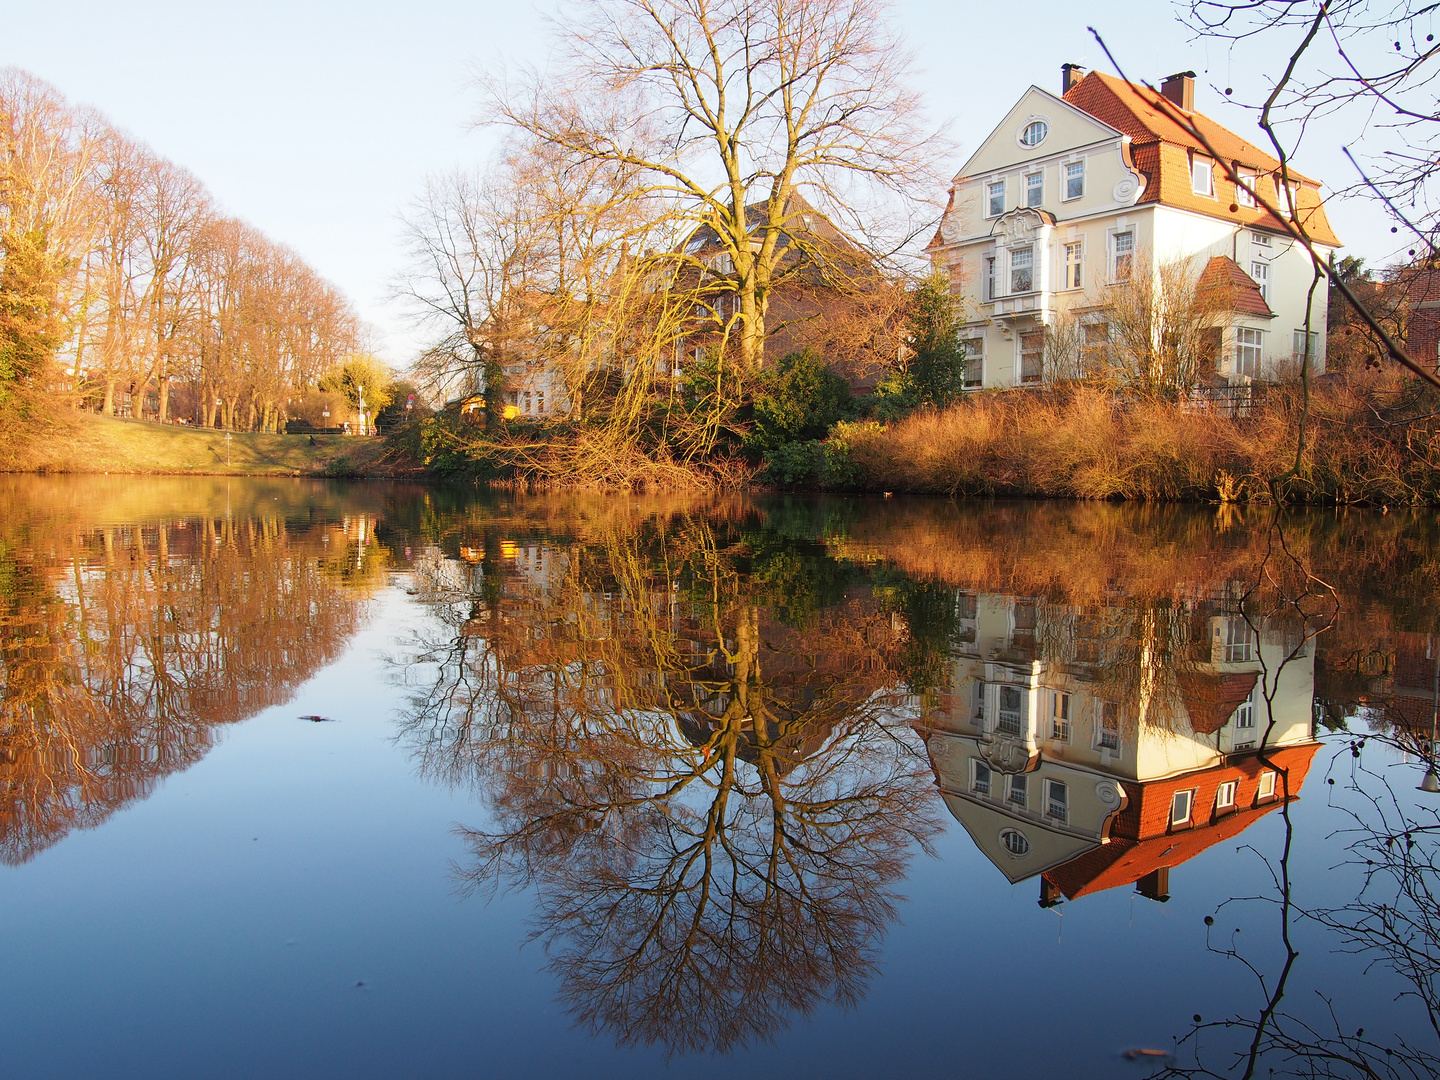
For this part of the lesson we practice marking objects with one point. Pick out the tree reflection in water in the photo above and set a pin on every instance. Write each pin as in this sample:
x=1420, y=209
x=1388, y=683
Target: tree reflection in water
x=124, y=647
x=692, y=741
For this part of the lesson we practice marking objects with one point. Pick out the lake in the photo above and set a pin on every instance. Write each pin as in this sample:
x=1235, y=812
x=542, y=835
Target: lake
x=304, y=778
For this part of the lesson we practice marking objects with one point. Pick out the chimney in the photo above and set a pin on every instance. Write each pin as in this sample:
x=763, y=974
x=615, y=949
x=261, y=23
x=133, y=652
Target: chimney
x=1155, y=885
x=1180, y=89
x=1070, y=76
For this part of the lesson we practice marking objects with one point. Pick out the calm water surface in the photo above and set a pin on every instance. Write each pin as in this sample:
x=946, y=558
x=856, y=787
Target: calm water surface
x=308, y=779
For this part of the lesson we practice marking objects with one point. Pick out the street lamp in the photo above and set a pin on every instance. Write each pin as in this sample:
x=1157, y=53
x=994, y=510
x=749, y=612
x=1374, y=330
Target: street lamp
x=1431, y=781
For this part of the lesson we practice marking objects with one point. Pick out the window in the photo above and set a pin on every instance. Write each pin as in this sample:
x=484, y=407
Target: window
x=980, y=782
x=1247, y=351
x=1034, y=133
x=1260, y=239
x=1011, y=708
x=1267, y=785
x=1057, y=801
x=1243, y=196
x=975, y=360
x=1245, y=714
x=1301, y=341
x=995, y=194
x=1074, y=266
x=1225, y=795
x=1261, y=273
x=1109, y=726
x=1032, y=357
x=1095, y=347
x=979, y=699
x=1015, y=842
x=1074, y=180
x=1022, y=269
x=1124, y=260
x=1202, y=177
x=527, y=402
x=1035, y=189
x=540, y=401
x=1239, y=641
x=1018, y=789
x=1180, y=807
x=990, y=278
x=1060, y=717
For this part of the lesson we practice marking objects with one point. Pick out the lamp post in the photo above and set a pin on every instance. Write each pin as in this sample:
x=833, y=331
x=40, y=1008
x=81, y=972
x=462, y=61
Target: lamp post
x=1431, y=781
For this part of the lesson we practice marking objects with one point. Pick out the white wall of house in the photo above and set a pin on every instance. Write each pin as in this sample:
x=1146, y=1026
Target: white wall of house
x=1101, y=213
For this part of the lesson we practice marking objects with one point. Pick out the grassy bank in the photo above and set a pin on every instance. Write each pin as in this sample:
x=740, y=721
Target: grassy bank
x=86, y=443
x=1365, y=444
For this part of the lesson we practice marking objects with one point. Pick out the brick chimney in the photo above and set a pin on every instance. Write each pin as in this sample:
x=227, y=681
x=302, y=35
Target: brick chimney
x=1070, y=75
x=1156, y=884
x=1180, y=88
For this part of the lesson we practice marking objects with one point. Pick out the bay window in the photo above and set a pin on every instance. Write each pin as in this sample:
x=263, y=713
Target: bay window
x=1247, y=350
x=1022, y=269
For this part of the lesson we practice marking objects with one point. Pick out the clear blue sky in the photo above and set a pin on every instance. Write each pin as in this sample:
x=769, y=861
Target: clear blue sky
x=317, y=121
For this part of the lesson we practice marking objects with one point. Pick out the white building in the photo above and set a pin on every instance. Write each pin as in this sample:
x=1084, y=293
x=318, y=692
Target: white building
x=1069, y=194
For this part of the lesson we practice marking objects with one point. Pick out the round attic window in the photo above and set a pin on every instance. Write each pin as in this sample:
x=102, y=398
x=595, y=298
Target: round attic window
x=1033, y=133
x=1015, y=842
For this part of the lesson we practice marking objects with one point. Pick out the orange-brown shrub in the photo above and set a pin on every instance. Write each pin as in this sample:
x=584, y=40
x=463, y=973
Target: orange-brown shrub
x=1086, y=443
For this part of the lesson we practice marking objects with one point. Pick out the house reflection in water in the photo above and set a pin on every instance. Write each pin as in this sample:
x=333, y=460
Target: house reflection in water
x=1105, y=747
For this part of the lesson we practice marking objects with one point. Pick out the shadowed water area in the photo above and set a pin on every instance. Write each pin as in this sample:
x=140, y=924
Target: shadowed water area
x=315, y=779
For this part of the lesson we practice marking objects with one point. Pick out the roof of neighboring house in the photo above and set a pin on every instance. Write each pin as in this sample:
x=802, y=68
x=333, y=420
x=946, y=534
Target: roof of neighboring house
x=1161, y=149
x=1142, y=839
x=1212, y=699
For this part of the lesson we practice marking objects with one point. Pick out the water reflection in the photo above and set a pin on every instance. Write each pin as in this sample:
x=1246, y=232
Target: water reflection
x=692, y=739
x=127, y=640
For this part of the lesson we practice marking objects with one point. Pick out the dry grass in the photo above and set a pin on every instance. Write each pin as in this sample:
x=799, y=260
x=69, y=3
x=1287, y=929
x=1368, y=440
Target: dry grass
x=1086, y=444
x=71, y=442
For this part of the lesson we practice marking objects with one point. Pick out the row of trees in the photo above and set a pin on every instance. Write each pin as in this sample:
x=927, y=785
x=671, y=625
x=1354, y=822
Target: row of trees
x=123, y=284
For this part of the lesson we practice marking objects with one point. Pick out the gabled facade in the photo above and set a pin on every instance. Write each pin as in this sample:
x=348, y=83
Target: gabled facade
x=1071, y=195
x=1056, y=769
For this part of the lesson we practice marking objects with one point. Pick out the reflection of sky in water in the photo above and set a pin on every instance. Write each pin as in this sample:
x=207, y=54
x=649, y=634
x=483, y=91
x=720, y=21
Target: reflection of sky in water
x=220, y=927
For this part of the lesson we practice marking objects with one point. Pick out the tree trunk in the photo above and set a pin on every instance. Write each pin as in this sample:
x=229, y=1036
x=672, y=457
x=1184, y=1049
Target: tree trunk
x=107, y=407
x=164, y=399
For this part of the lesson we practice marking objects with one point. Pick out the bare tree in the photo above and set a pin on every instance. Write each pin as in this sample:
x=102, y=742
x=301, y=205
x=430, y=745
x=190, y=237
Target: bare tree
x=728, y=111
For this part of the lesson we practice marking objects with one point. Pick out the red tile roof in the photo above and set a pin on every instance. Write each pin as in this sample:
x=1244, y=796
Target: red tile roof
x=1212, y=699
x=1223, y=272
x=1162, y=150
x=1142, y=839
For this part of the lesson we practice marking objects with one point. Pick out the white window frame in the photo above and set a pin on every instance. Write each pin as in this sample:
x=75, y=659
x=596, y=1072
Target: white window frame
x=1029, y=126
x=1028, y=252
x=1260, y=274
x=1068, y=193
x=974, y=362
x=1225, y=795
x=990, y=196
x=1202, y=176
x=1101, y=730
x=1018, y=784
x=1189, y=796
x=1260, y=239
x=1266, y=790
x=1249, y=350
x=1244, y=715
x=1003, y=715
x=1243, y=197
x=991, y=263
x=1238, y=638
x=981, y=786
x=1035, y=188
x=1063, y=803
x=1074, y=280
x=1060, y=725
x=1297, y=343
x=1115, y=254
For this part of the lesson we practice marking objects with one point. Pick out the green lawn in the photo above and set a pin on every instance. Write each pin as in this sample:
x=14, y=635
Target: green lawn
x=100, y=444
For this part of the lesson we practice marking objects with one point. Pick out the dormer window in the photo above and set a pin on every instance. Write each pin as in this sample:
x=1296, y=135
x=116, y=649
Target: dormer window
x=1243, y=196
x=1033, y=134
x=1202, y=179
x=995, y=198
x=1074, y=180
